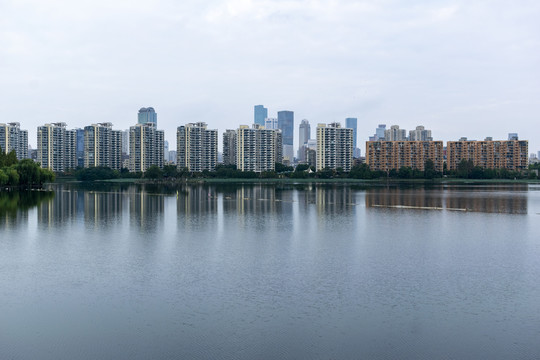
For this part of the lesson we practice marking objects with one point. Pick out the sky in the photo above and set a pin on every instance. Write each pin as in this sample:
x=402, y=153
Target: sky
x=460, y=68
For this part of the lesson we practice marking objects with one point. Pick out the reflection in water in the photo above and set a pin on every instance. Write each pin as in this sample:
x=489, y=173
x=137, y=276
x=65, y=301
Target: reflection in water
x=395, y=197
x=61, y=209
x=510, y=199
x=14, y=205
x=145, y=209
x=103, y=207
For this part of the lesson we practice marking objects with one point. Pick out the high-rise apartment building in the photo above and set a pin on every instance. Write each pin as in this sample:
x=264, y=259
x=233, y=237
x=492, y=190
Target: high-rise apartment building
x=102, y=146
x=334, y=147
x=489, y=154
x=147, y=115
x=57, y=147
x=229, y=147
x=145, y=147
x=304, y=136
x=13, y=138
x=395, y=134
x=256, y=148
x=420, y=134
x=286, y=125
x=196, y=147
x=388, y=155
x=260, y=114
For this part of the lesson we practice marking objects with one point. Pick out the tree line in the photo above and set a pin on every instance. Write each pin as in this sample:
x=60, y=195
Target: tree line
x=22, y=173
x=465, y=170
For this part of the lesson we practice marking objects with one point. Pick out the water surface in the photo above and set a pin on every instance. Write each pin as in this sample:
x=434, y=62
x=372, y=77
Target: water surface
x=270, y=271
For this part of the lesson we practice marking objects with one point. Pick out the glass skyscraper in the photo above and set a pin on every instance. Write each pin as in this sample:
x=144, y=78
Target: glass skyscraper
x=286, y=124
x=261, y=113
x=147, y=115
x=351, y=123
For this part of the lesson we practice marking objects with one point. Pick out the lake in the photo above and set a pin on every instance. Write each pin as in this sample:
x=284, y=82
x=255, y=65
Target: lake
x=232, y=271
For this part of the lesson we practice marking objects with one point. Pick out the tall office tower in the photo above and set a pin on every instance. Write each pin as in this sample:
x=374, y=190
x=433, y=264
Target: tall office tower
x=145, y=147
x=352, y=123
x=488, y=154
x=270, y=123
x=13, y=138
x=79, y=147
x=380, y=131
x=57, y=147
x=286, y=124
x=513, y=136
x=147, y=115
x=172, y=157
x=260, y=113
x=420, y=134
x=304, y=135
x=395, y=134
x=229, y=147
x=102, y=146
x=196, y=147
x=256, y=148
x=334, y=147
x=388, y=155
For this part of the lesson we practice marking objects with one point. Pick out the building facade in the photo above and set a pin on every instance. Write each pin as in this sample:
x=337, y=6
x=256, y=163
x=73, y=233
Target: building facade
x=13, y=138
x=420, y=134
x=147, y=115
x=257, y=148
x=489, y=154
x=334, y=147
x=304, y=135
x=196, y=147
x=286, y=125
x=56, y=147
x=260, y=114
x=388, y=155
x=145, y=147
x=102, y=146
x=395, y=134
x=271, y=123
x=229, y=147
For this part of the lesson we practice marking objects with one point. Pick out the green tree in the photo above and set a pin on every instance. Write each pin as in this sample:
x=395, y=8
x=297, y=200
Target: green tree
x=153, y=172
x=429, y=170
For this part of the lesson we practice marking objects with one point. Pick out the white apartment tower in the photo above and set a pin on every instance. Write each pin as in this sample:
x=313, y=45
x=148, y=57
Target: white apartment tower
x=420, y=134
x=13, y=138
x=102, y=146
x=334, y=147
x=196, y=147
x=256, y=148
x=56, y=147
x=145, y=147
x=395, y=134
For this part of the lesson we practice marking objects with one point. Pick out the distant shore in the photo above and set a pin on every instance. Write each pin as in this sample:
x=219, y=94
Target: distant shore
x=381, y=181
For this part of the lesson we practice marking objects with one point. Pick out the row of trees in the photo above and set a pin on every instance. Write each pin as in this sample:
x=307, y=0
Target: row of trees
x=22, y=173
x=466, y=170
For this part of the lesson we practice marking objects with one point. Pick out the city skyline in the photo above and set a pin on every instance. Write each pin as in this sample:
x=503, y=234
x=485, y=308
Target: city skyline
x=463, y=67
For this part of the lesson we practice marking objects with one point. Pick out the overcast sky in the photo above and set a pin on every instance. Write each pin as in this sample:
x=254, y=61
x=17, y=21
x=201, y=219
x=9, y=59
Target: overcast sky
x=460, y=68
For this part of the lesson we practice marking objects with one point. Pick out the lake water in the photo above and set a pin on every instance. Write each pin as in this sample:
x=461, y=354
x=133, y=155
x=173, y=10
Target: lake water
x=265, y=272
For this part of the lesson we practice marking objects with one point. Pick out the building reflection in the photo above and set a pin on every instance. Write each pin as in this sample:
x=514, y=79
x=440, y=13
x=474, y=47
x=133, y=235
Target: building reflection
x=484, y=199
x=332, y=199
x=409, y=198
x=510, y=199
x=146, y=209
x=103, y=207
x=61, y=209
x=197, y=199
